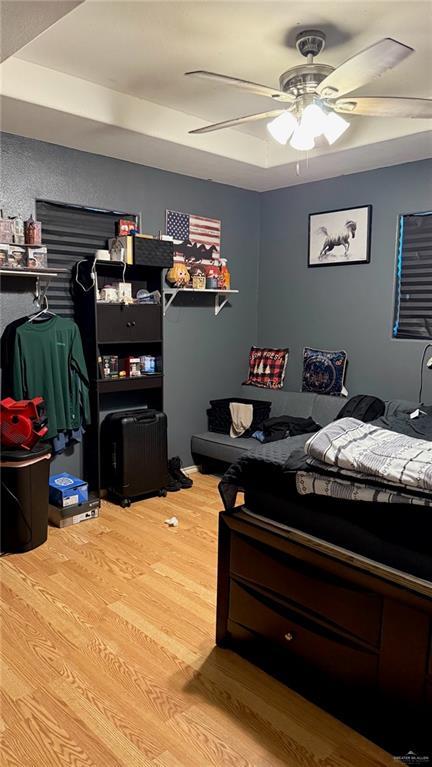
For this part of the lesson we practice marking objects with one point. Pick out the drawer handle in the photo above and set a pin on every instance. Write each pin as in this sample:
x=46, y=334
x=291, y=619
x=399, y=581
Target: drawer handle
x=130, y=324
x=289, y=636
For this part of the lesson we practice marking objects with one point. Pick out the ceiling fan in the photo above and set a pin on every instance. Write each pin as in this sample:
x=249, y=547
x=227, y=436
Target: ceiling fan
x=312, y=96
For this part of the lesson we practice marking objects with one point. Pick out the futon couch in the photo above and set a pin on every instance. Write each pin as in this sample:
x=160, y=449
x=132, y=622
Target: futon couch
x=209, y=448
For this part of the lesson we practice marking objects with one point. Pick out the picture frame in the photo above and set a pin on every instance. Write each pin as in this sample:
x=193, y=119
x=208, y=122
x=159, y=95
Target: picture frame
x=338, y=237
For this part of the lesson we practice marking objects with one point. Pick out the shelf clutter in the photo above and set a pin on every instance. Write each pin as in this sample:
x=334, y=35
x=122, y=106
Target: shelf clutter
x=119, y=311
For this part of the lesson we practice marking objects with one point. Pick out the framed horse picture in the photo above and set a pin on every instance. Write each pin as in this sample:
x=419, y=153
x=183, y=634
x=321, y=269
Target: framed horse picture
x=340, y=236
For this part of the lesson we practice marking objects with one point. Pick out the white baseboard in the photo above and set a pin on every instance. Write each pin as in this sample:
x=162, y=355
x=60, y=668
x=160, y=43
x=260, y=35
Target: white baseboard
x=191, y=469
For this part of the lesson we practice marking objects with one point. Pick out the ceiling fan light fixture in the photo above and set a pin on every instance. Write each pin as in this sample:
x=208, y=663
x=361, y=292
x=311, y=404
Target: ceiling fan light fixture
x=313, y=120
x=335, y=127
x=282, y=127
x=302, y=140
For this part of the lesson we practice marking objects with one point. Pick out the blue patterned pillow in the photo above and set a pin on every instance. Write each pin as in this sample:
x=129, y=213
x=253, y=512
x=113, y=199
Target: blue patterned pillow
x=323, y=371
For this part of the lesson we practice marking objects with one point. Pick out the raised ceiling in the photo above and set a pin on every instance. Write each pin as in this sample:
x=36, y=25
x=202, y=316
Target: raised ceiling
x=108, y=78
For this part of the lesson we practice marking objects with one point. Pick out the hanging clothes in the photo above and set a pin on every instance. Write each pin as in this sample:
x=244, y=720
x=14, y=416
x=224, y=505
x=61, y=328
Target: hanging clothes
x=7, y=355
x=49, y=362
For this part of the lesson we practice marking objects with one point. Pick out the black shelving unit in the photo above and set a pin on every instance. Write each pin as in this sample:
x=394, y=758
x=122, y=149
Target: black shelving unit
x=124, y=330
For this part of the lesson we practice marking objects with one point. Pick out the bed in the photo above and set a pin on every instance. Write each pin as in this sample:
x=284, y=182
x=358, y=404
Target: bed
x=333, y=597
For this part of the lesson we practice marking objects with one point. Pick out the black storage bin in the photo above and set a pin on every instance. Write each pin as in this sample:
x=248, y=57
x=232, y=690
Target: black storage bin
x=24, y=499
x=153, y=252
x=136, y=453
x=219, y=415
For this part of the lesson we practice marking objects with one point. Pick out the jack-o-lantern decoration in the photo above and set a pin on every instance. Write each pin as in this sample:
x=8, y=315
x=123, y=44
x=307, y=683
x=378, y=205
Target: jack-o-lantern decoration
x=178, y=276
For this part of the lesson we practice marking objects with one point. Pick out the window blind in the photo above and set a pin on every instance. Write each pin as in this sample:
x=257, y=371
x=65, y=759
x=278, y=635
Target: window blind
x=72, y=233
x=413, y=315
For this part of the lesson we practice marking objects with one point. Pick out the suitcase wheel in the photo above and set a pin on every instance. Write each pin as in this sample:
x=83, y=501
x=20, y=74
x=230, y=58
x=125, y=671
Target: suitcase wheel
x=125, y=503
x=162, y=493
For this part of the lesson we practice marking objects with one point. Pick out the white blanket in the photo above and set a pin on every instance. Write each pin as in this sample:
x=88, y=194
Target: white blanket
x=361, y=448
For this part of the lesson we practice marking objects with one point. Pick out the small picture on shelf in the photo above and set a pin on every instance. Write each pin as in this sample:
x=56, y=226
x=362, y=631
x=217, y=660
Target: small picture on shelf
x=6, y=230
x=125, y=227
x=125, y=292
x=133, y=367
x=148, y=364
x=110, y=366
x=4, y=253
x=17, y=257
x=37, y=258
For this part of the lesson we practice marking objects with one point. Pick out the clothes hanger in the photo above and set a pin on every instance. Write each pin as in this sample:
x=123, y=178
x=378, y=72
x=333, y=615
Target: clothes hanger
x=43, y=311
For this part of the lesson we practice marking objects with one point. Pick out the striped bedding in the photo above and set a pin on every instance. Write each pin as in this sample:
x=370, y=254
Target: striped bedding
x=312, y=483
x=360, y=461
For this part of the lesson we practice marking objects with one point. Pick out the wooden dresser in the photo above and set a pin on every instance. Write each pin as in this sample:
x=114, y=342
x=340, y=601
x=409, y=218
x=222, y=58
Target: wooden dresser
x=351, y=634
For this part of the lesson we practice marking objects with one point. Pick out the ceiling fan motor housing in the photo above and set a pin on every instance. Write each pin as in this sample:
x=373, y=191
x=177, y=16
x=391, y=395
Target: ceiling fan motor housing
x=304, y=79
x=310, y=42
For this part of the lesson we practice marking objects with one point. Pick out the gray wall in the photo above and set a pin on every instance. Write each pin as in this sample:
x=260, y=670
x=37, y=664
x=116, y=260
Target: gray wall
x=205, y=356
x=342, y=307
x=346, y=307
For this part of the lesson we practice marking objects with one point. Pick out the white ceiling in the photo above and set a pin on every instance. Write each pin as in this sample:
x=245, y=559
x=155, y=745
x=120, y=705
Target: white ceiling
x=109, y=76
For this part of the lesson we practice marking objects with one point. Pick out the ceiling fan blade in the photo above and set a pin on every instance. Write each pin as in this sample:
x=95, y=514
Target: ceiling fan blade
x=238, y=121
x=364, y=67
x=245, y=85
x=384, y=106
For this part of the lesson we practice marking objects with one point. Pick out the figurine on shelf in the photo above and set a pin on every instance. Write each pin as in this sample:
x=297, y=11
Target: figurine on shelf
x=33, y=231
x=178, y=276
x=18, y=229
x=224, y=279
x=212, y=275
x=6, y=230
x=198, y=277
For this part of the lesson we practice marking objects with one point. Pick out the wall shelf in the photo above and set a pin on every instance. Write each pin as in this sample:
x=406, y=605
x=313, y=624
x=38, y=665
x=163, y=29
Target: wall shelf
x=25, y=272
x=220, y=297
x=129, y=383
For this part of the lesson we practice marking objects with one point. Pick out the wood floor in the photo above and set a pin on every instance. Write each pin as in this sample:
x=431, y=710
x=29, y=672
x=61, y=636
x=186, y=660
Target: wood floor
x=108, y=656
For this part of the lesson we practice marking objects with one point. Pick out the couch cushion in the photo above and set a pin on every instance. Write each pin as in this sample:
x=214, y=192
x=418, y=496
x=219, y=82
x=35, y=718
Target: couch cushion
x=221, y=447
x=283, y=402
x=326, y=408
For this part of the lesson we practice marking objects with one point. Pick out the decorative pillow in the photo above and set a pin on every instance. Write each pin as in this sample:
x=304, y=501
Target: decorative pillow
x=323, y=371
x=267, y=367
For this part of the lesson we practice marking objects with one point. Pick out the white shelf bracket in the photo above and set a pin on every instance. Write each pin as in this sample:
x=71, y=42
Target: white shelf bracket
x=167, y=298
x=220, y=301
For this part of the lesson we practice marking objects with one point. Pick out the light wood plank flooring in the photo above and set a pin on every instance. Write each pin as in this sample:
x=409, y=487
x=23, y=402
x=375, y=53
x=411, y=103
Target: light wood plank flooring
x=108, y=656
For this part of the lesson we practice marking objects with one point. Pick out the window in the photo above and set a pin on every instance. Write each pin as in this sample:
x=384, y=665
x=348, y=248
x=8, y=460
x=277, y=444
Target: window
x=413, y=302
x=71, y=233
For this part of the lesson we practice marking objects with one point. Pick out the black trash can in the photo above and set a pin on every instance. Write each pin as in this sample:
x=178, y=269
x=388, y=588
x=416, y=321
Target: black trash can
x=24, y=499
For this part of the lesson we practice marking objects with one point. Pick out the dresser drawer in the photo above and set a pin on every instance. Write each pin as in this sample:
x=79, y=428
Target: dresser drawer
x=129, y=324
x=352, y=609
x=301, y=639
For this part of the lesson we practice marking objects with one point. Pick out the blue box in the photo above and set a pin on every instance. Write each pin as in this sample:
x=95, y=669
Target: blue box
x=67, y=490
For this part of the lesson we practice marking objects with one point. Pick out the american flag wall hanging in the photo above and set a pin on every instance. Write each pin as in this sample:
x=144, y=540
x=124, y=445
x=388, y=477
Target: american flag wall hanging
x=198, y=230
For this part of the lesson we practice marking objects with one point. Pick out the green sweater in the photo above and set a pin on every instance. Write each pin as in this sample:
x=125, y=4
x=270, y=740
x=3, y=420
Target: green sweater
x=49, y=362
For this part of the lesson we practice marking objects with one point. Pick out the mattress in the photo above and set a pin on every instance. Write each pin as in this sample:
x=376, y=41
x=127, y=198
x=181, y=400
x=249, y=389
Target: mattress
x=399, y=536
